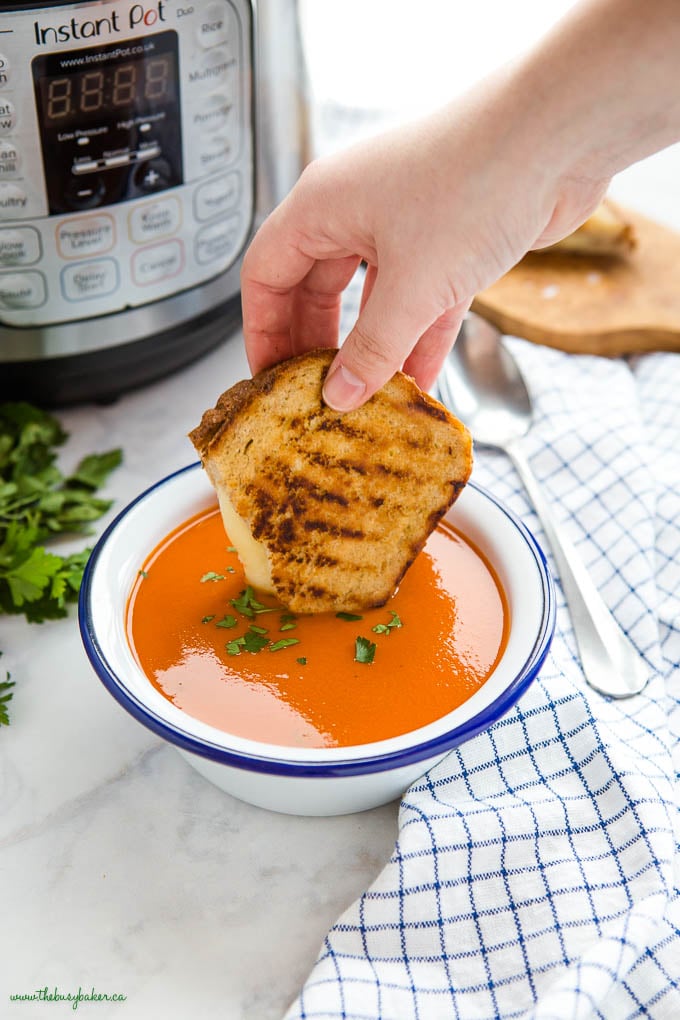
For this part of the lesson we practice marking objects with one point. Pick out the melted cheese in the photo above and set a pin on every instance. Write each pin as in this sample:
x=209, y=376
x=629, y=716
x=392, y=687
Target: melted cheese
x=252, y=554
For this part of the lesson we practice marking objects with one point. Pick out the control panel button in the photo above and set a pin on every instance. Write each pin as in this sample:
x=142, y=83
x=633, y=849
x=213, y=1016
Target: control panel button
x=7, y=115
x=13, y=201
x=155, y=219
x=219, y=195
x=93, y=279
x=154, y=175
x=9, y=158
x=22, y=290
x=157, y=262
x=85, y=194
x=218, y=151
x=216, y=113
x=214, y=68
x=4, y=70
x=215, y=26
x=19, y=246
x=90, y=235
x=217, y=241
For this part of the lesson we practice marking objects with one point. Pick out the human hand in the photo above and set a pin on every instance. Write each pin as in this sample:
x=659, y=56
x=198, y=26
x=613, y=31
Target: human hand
x=441, y=208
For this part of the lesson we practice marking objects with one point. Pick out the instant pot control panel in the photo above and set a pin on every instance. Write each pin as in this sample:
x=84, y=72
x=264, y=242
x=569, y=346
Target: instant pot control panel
x=126, y=153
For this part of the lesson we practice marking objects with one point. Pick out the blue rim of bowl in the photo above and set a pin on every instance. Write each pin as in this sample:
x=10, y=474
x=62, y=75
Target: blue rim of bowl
x=339, y=767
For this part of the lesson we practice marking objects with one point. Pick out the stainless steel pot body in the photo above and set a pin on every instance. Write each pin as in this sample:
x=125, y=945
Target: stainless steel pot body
x=141, y=143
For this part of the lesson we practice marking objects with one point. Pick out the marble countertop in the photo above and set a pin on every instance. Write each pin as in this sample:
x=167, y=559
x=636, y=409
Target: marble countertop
x=121, y=869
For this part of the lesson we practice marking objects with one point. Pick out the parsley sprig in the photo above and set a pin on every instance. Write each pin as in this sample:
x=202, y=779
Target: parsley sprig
x=38, y=503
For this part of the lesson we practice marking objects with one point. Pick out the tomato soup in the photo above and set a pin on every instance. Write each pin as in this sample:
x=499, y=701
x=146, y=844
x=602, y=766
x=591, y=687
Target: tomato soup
x=237, y=660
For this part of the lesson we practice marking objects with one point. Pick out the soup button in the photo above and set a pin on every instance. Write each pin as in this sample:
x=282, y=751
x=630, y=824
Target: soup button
x=157, y=262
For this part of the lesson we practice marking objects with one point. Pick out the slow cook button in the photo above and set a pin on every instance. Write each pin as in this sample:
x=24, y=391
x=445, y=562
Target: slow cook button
x=90, y=235
x=157, y=262
x=219, y=195
x=217, y=242
x=19, y=246
x=155, y=219
x=89, y=279
x=22, y=290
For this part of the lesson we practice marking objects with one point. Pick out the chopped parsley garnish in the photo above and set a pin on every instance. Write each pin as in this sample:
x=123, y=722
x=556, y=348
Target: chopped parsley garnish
x=207, y=619
x=227, y=621
x=212, y=576
x=5, y=697
x=302, y=660
x=247, y=605
x=142, y=573
x=283, y=643
x=348, y=616
x=386, y=628
x=364, y=650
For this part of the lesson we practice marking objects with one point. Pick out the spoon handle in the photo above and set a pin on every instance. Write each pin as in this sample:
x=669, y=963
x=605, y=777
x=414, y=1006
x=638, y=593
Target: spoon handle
x=611, y=664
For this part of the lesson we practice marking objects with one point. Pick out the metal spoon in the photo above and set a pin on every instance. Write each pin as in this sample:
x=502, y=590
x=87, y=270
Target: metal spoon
x=481, y=383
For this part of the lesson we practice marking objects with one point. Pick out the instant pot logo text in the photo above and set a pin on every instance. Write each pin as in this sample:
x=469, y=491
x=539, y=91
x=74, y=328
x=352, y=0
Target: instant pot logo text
x=97, y=28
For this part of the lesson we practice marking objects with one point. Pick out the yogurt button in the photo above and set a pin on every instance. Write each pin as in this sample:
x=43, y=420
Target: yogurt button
x=22, y=290
x=155, y=219
x=219, y=195
x=85, y=280
x=19, y=246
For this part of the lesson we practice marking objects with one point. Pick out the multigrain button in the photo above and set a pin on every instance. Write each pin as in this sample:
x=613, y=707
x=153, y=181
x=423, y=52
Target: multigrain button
x=22, y=290
x=220, y=195
x=215, y=67
x=157, y=262
x=88, y=235
x=19, y=246
x=155, y=219
x=86, y=280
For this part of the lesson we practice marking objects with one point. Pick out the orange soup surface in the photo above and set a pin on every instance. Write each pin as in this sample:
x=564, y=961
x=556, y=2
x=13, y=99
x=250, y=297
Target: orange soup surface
x=237, y=660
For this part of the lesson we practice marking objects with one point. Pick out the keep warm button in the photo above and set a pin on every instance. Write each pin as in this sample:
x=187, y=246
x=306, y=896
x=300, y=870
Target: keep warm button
x=157, y=262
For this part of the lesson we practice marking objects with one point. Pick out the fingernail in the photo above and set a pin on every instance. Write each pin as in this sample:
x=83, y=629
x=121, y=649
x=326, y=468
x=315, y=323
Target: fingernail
x=343, y=390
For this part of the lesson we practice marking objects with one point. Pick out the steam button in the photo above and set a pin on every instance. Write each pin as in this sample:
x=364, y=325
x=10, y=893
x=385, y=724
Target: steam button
x=22, y=290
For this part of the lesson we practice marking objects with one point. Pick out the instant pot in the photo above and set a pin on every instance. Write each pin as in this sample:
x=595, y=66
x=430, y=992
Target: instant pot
x=141, y=143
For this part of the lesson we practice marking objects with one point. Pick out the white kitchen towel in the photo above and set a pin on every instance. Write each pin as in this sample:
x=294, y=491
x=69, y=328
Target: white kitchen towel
x=536, y=869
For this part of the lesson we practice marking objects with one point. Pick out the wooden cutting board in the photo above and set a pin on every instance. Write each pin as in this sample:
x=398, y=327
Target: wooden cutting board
x=590, y=304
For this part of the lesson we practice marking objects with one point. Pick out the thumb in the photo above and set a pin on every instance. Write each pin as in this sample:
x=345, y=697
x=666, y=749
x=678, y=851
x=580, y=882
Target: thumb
x=388, y=328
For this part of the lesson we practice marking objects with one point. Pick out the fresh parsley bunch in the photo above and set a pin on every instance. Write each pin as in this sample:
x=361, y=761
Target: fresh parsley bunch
x=38, y=503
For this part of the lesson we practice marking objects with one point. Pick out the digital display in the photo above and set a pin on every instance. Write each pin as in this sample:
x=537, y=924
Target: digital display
x=125, y=87
x=110, y=121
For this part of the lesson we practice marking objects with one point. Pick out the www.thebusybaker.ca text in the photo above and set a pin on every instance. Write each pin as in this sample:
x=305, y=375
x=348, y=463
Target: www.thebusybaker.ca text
x=75, y=998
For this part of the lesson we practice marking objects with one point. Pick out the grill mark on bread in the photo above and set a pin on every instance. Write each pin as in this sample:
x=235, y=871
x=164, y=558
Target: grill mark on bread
x=343, y=503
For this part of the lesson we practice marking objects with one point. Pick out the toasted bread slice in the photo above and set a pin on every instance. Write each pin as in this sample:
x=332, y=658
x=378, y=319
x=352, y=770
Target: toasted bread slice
x=338, y=504
x=607, y=231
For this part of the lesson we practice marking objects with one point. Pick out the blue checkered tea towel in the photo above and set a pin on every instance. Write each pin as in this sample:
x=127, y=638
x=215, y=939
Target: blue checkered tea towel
x=536, y=870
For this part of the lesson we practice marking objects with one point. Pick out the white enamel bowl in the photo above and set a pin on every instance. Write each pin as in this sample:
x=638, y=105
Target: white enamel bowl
x=309, y=781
